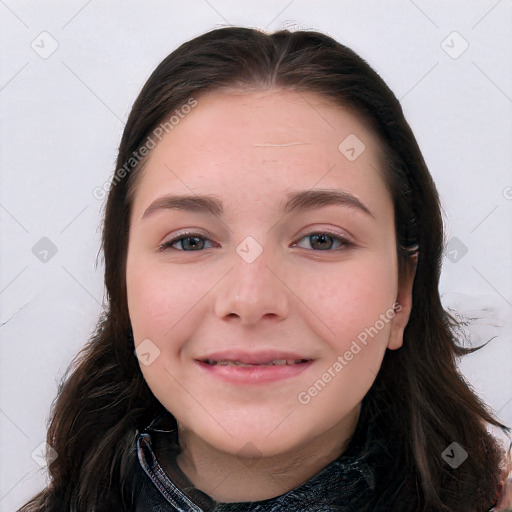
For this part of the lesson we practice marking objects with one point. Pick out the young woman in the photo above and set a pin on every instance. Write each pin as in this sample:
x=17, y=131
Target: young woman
x=274, y=339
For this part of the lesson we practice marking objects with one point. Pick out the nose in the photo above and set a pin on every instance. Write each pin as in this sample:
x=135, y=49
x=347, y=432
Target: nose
x=253, y=290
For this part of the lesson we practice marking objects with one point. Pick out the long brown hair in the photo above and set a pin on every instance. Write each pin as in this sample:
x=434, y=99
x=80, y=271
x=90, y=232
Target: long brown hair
x=419, y=403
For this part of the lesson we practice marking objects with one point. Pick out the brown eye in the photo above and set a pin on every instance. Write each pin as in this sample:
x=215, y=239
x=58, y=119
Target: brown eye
x=324, y=241
x=189, y=243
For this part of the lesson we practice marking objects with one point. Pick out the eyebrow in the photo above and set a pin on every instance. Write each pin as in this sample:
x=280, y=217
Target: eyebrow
x=295, y=202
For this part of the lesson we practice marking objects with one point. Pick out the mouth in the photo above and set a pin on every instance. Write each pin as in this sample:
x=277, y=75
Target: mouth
x=275, y=362
x=238, y=367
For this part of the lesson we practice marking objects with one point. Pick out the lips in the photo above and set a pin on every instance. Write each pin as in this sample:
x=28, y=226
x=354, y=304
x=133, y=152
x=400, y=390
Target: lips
x=275, y=362
x=239, y=358
x=253, y=368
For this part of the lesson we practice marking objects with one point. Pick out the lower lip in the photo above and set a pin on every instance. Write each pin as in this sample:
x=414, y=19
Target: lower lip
x=254, y=374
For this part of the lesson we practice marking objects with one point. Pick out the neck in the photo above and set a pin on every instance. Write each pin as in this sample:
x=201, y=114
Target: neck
x=230, y=477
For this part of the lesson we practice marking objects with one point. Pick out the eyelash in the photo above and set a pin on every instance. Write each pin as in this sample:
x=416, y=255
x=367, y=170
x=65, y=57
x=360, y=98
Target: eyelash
x=346, y=244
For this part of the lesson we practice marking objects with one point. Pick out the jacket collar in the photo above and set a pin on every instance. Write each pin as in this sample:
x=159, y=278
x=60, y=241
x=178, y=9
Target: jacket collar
x=345, y=484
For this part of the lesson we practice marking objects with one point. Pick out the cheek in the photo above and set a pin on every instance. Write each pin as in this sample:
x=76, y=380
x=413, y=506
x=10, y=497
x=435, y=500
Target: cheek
x=162, y=304
x=352, y=299
x=357, y=307
x=159, y=298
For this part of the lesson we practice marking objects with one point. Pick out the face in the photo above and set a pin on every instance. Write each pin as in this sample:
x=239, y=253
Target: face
x=266, y=322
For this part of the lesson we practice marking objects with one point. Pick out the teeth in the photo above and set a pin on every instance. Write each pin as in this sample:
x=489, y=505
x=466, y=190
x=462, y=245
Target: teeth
x=275, y=362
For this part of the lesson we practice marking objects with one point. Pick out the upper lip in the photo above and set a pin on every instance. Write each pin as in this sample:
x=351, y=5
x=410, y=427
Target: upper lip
x=261, y=357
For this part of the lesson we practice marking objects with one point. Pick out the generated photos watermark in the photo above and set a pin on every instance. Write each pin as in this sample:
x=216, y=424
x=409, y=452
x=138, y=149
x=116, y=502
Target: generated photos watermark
x=305, y=397
x=151, y=141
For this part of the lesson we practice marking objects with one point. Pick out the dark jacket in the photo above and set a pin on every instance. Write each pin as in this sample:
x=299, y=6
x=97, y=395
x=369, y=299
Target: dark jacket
x=347, y=484
x=346, y=480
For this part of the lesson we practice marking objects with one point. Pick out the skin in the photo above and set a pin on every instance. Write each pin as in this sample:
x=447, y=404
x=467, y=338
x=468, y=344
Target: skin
x=253, y=442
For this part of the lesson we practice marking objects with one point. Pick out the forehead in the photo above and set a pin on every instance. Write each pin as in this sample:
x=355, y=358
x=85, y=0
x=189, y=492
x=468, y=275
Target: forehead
x=280, y=116
x=260, y=142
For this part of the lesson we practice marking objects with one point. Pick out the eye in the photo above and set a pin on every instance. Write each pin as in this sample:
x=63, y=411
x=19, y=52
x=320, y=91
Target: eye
x=324, y=241
x=192, y=241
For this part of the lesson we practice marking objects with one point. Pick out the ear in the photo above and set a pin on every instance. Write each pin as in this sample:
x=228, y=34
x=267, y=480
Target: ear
x=403, y=307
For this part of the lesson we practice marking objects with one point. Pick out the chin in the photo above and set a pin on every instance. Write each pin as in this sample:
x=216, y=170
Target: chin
x=254, y=439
